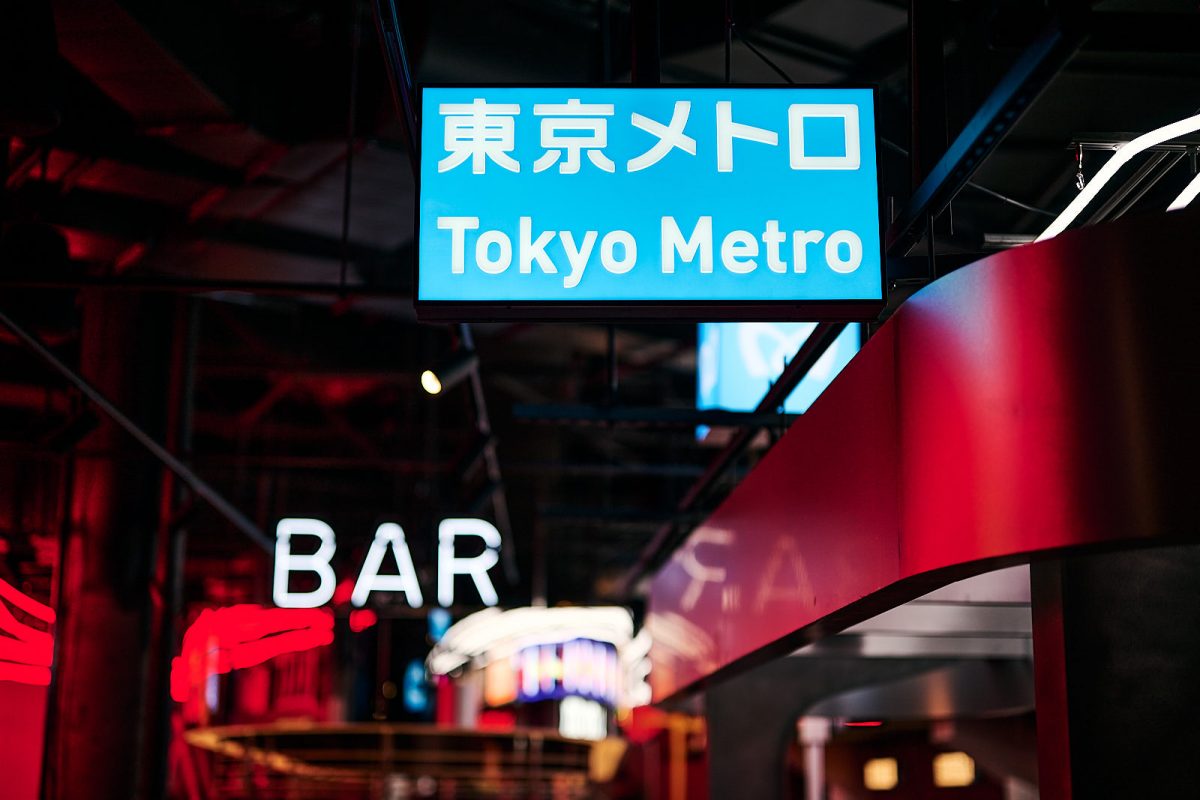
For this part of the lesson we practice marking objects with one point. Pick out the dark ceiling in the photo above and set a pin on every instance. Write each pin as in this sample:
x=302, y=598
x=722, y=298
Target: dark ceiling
x=200, y=154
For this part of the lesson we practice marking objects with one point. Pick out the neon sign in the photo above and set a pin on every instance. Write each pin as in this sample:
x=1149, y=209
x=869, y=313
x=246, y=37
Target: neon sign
x=578, y=668
x=388, y=537
x=224, y=639
x=25, y=652
x=712, y=199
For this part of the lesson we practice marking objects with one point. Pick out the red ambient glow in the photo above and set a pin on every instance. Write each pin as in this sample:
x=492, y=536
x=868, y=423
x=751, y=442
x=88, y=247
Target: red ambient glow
x=25, y=652
x=361, y=619
x=225, y=639
x=870, y=723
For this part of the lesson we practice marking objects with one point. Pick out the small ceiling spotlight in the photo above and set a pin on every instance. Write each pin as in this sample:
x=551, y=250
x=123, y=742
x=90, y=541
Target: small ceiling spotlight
x=449, y=373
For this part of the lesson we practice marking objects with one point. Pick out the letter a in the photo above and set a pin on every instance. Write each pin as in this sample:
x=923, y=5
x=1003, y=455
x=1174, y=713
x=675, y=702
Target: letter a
x=369, y=580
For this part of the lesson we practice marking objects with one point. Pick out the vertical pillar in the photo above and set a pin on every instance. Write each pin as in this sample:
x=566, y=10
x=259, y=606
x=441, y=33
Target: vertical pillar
x=814, y=733
x=107, y=644
x=1116, y=654
x=927, y=86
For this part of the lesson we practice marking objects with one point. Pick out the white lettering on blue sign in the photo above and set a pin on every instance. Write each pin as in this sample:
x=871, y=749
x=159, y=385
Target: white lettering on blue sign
x=649, y=194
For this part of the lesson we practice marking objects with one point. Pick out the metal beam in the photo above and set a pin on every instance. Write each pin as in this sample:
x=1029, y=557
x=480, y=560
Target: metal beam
x=555, y=414
x=170, y=285
x=391, y=38
x=668, y=535
x=185, y=473
x=1017, y=90
x=491, y=461
x=144, y=220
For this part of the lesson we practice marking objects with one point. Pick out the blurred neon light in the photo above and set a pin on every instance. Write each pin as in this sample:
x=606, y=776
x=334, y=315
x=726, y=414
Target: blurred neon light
x=1186, y=196
x=26, y=653
x=953, y=769
x=224, y=639
x=493, y=634
x=361, y=619
x=1120, y=158
x=578, y=668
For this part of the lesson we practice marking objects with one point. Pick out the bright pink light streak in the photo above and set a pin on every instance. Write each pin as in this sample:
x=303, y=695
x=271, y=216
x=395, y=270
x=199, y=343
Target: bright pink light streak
x=26, y=653
x=225, y=639
x=361, y=619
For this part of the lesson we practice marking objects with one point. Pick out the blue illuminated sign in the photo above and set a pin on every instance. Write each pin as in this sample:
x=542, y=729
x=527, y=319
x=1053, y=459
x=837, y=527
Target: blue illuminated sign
x=624, y=198
x=738, y=361
x=579, y=668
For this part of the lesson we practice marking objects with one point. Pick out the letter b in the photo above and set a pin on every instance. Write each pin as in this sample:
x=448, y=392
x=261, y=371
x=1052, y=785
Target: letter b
x=286, y=563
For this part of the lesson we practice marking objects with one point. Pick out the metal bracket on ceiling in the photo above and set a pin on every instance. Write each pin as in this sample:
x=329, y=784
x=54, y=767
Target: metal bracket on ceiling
x=998, y=114
x=395, y=55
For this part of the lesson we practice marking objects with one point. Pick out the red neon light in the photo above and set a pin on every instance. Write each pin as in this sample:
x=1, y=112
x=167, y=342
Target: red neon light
x=361, y=619
x=25, y=652
x=225, y=639
x=869, y=723
x=343, y=592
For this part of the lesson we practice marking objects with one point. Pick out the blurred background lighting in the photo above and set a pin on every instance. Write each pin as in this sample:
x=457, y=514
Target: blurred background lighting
x=881, y=774
x=953, y=769
x=450, y=372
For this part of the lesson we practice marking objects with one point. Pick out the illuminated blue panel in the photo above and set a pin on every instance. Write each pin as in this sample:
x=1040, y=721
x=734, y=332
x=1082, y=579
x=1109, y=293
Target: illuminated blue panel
x=738, y=362
x=667, y=195
x=416, y=687
x=439, y=622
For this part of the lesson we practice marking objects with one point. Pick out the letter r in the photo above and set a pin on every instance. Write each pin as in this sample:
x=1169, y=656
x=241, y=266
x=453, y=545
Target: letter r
x=450, y=565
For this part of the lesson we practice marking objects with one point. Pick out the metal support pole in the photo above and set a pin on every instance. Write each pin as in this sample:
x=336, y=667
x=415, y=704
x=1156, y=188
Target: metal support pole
x=391, y=37
x=927, y=86
x=613, y=375
x=814, y=734
x=605, y=25
x=728, y=40
x=173, y=536
x=351, y=130
x=508, y=556
x=647, y=56
x=1032, y=71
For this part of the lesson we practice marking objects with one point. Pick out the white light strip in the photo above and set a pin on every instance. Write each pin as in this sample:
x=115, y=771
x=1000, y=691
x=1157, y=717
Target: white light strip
x=498, y=633
x=1186, y=196
x=1119, y=159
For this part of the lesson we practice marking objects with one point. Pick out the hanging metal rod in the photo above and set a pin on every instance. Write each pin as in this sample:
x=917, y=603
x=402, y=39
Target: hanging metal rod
x=194, y=481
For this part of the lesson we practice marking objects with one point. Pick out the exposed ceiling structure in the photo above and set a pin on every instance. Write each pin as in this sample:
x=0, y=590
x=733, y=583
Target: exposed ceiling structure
x=245, y=158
